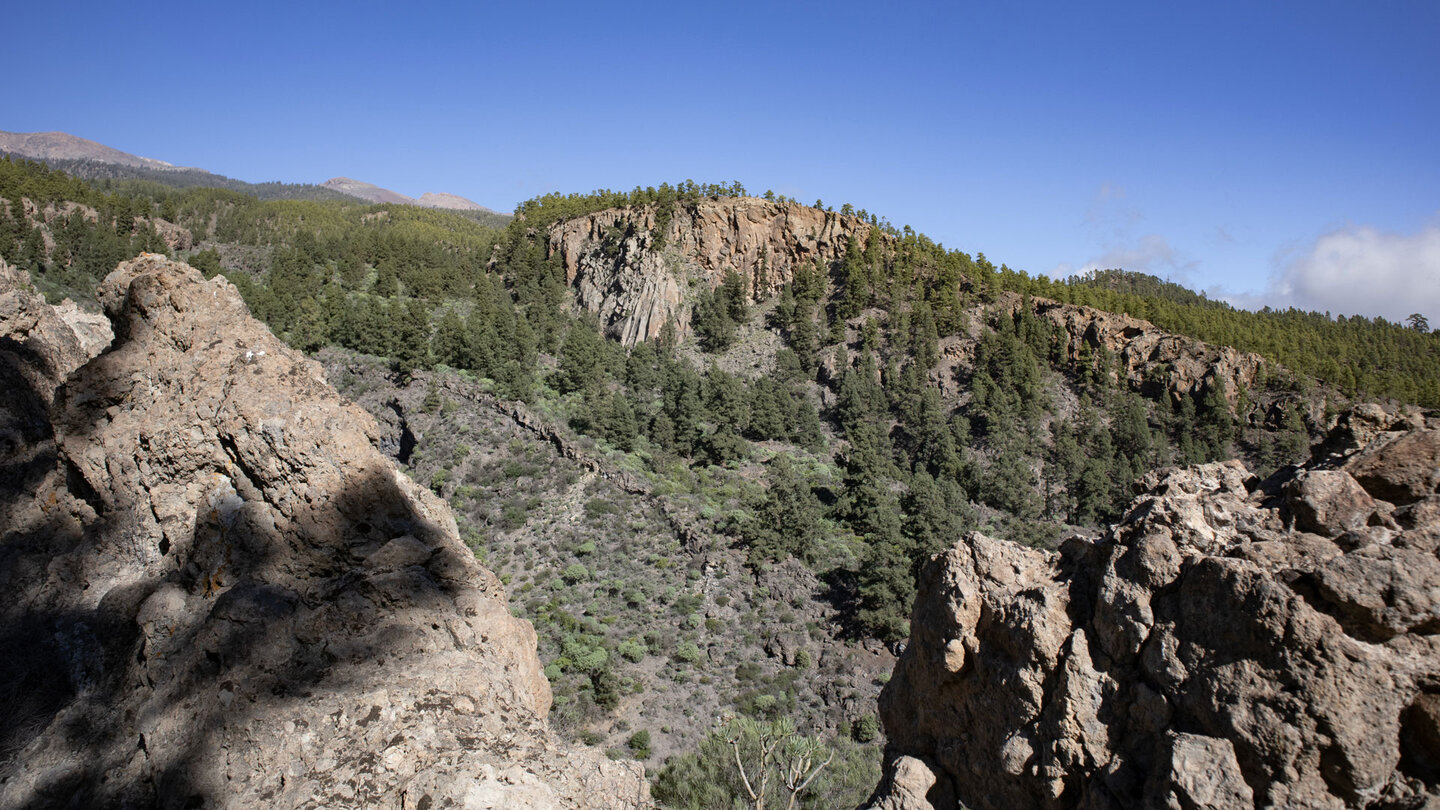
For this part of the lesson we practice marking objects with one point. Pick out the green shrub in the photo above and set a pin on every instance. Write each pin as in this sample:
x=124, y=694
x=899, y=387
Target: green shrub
x=632, y=650
x=639, y=744
x=598, y=507
x=688, y=652
x=866, y=729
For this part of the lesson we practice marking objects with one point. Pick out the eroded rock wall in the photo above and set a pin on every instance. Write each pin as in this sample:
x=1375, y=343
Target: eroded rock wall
x=637, y=283
x=221, y=595
x=1226, y=644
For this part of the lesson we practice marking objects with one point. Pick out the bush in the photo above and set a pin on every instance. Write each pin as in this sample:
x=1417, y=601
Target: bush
x=688, y=652
x=639, y=744
x=599, y=507
x=575, y=573
x=632, y=650
x=866, y=729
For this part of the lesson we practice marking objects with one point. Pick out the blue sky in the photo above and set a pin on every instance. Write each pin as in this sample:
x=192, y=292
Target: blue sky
x=1282, y=153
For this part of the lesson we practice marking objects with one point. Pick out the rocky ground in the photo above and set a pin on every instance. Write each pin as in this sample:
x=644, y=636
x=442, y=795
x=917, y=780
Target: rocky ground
x=1231, y=643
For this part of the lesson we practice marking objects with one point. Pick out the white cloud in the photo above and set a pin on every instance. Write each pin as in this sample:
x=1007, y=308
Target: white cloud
x=1151, y=254
x=1359, y=270
x=1113, y=223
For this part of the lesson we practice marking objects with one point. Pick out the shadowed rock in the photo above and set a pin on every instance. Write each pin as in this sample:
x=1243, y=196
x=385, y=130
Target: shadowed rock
x=234, y=600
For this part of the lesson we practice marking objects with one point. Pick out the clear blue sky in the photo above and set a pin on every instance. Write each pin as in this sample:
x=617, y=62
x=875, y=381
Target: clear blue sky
x=1278, y=152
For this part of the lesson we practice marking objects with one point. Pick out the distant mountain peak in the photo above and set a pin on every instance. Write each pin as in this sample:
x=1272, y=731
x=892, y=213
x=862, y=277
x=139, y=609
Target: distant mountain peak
x=374, y=193
x=367, y=191
x=433, y=199
x=64, y=146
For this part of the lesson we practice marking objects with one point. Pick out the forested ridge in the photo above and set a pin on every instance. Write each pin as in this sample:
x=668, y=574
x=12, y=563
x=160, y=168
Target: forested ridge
x=910, y=398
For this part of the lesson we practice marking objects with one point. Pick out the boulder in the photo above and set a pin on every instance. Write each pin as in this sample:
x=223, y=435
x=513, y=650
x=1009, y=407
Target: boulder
x=1403, y=470
x=1328, y=502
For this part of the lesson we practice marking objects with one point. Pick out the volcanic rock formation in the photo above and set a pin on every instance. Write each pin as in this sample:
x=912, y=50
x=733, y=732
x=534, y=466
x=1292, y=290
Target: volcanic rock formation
x=1146, y=356
x=636, y=271
x=1228, y=644
x=220, y=594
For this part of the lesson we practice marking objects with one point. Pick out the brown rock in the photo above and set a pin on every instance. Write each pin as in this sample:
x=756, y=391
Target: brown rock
x=1328, y=502
x=1201, y=774
x=1145, y=355
x=1402, y=470
x=907, y=781
x=248, y=605
x=1200, y=654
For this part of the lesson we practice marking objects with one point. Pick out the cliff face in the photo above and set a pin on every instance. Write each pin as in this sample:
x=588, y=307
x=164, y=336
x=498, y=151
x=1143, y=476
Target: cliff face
x=636, y=285
x=221, y=594
x=1224, y=645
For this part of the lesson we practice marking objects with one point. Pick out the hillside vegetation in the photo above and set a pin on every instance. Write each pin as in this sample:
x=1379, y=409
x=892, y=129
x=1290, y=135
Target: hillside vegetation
x=798, y=456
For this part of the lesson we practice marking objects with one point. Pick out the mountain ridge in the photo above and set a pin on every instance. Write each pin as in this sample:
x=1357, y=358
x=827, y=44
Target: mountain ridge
x=64, y=146
x=79, y=154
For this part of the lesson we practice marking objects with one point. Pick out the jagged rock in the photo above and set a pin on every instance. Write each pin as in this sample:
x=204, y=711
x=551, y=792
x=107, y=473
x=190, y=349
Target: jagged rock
x=1201, y=774
x=242, y=603
x=637, y=275
x=1328, y=502
x=92, y=329
x=1402, y=470
x=907, y=781
x=1208, y=651
x=1145, y=354
x=42, y=347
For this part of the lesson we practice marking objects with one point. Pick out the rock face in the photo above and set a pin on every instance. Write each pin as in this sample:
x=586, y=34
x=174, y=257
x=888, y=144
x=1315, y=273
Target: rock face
x=1227, y=644
x=637, y=282
x=1147, y=357
x=220, y=594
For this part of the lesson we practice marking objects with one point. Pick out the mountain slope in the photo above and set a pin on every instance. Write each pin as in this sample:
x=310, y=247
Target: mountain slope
x=49, y=146
x=95, y=161
x=373, y=193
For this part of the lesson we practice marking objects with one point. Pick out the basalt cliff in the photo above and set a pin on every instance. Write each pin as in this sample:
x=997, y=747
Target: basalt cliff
x=220, y=594
x=1229, y=643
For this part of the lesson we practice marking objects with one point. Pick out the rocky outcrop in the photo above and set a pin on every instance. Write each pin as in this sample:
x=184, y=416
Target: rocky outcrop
x=1227, y=644
x=1148, y=358
x=636, y=271
x=220, y=594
